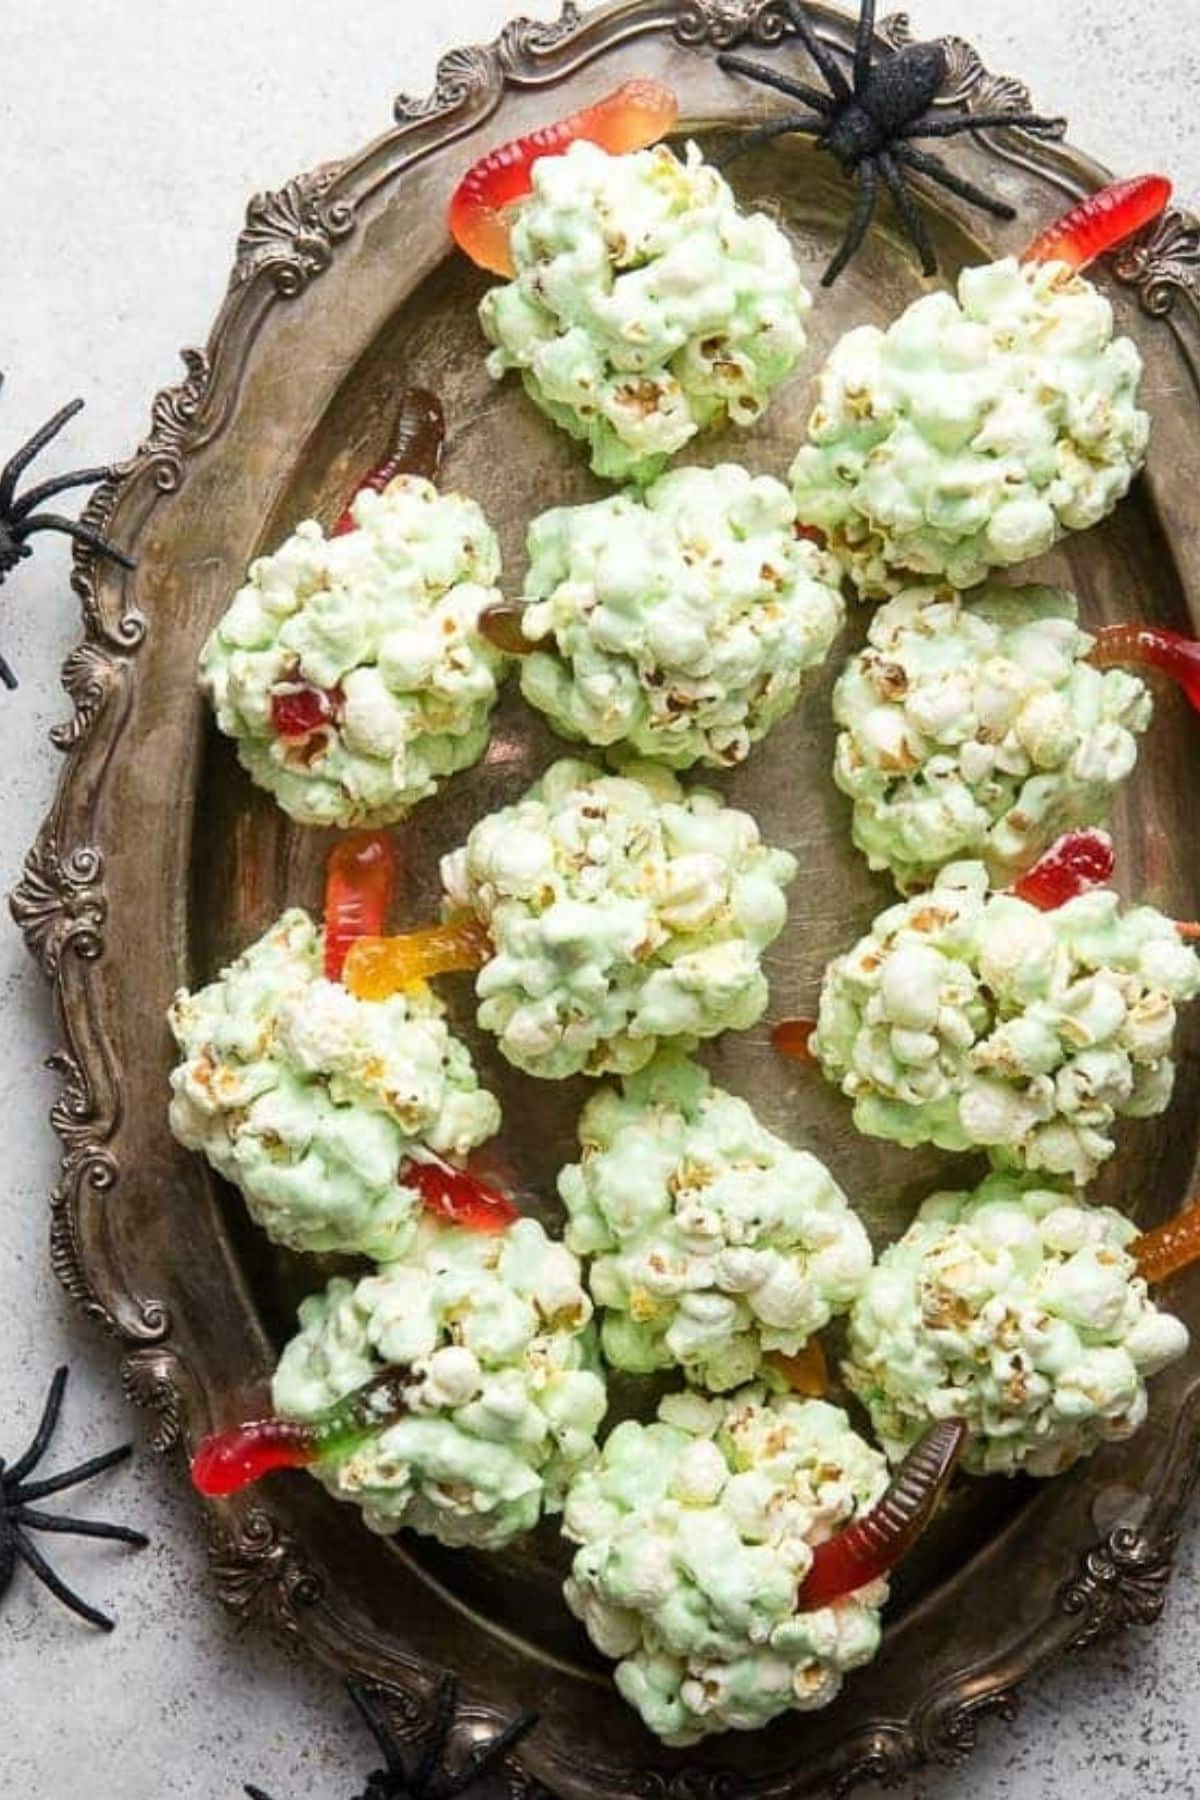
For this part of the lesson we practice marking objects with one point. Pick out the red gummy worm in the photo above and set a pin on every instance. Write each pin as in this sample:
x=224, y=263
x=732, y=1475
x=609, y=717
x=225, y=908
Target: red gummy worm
x=358, y=892
x=876, y=1542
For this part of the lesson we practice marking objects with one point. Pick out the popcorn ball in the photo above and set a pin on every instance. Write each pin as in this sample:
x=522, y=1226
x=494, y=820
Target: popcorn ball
x=975, y=1021
x=679, y=625
x=624, y=911
x=1019, y=1309
x=714, y=1243
x=311, y=1101
x=646, y=306
x=349, y=670
x=695, y=1534
x=504, y=1399
x=977, y=728
x=974, y=432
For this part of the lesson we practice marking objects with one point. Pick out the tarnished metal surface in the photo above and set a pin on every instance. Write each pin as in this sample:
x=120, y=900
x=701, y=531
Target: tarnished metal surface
x=159, y=860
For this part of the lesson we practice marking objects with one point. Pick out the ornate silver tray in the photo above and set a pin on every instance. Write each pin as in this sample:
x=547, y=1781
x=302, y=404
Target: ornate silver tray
x=159, y=860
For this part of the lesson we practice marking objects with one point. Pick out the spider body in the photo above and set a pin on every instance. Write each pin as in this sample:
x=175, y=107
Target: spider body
x=870, y=123
x=8, y=1545
x=429, y=1778
x=21, y=516
x=894, y=93
x=19, y=1517
x=11, y=550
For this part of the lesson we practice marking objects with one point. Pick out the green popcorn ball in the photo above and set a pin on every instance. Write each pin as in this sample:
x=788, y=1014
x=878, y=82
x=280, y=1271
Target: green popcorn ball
x=976, y=728
x=381, y=621
x=683, y=622
x=505, y=1398
x=311, y=1101
x=714, y=1242
x=646, y=307
x=973, y=1021
x=1019, y=1309
x=695, y=1533
x=973, y=433
x=624, y=911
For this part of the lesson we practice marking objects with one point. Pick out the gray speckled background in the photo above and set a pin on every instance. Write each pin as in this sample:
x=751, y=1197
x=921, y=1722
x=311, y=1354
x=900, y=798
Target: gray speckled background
x=132, y=135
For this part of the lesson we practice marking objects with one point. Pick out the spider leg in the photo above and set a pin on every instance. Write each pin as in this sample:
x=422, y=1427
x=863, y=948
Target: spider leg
x=824, y=58
x=54, y=1484
x=377, y=1727
x=47, y=489
x=856, y=231
x=37, y=1565
x=952, y=123
x=83, y=534
x=433, y=1750
x=93, y=1528
x=7, y=676
x=783, y=84
x=489, y=1755
x=763, y=134
x=45, y=1431
x=254, y=1793
x=910, y=212
x=966, y=190
x=17, y=464
x=863, y=43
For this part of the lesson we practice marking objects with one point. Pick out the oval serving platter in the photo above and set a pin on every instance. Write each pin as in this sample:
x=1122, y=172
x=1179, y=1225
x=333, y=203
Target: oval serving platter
x=159, y=862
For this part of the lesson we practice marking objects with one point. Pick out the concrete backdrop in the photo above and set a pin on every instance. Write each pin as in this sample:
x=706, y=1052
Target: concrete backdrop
x=132, y=135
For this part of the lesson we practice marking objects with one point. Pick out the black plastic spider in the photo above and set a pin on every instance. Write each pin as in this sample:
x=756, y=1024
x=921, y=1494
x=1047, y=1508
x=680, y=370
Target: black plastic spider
x=429, y=1775
x=870, y=126
x=18, y=1517
x=19, y=520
